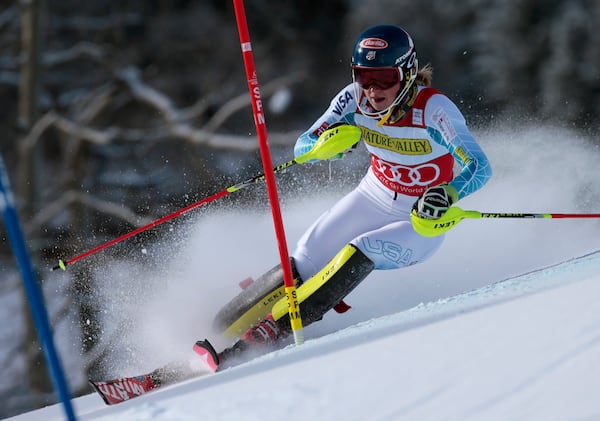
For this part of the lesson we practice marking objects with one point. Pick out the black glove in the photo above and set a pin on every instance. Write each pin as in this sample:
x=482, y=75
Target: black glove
x=435, y=201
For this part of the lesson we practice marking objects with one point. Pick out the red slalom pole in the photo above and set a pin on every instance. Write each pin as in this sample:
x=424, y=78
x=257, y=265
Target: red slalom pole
x=261, y=130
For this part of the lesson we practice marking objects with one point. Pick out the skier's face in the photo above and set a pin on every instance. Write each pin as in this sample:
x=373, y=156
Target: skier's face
x=381, y=99
x=380, y=85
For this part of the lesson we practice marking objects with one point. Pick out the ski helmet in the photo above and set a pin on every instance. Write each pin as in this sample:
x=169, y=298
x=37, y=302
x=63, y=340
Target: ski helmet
x=384, y=47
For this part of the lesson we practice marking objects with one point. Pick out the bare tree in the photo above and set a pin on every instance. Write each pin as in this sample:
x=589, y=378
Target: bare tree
x=117, y=87
x=78, y=122
x=30, y=168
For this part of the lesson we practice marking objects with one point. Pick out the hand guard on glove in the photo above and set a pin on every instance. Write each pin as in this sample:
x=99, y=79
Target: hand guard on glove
x=332, y=133
x=435, y=201
x=338, y=139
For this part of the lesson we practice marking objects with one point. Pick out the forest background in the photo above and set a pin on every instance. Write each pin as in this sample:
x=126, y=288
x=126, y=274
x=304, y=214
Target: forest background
x=113, y=114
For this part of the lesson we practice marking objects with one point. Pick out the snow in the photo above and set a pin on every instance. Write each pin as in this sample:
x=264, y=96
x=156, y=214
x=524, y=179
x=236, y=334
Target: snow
x=525, y=348
x=476, y=333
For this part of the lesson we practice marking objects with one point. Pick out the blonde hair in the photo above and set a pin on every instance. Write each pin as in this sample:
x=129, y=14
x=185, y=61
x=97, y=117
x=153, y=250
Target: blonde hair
x=425, y=75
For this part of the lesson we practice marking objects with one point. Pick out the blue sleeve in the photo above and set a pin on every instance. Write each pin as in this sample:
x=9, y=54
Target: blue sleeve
x=447, y=126
x=341, y=109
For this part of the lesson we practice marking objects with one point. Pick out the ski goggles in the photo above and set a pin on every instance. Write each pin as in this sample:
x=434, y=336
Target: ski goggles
x=380, y=78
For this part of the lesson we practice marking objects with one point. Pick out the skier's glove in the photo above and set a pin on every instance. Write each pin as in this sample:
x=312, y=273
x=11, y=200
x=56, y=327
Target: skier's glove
x=332, y=134
x=435, y=201
x=338, y=139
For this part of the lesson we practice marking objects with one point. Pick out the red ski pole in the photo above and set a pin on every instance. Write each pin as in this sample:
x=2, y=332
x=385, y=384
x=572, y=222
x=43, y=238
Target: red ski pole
x=435, y=227
x=327, y=146
x=62, y=264
x=259, y=121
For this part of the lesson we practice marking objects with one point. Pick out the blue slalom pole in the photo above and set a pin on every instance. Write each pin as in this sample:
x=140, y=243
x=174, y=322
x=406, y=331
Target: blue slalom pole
x=34, y=294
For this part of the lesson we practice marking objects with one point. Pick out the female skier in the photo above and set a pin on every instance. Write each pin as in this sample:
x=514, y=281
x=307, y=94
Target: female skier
x=423, y=159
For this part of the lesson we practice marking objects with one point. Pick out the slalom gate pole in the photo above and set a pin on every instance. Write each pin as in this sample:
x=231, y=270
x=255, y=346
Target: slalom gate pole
x=259, y=121
x=434, y=227
x=32, y=289
x=62, y=264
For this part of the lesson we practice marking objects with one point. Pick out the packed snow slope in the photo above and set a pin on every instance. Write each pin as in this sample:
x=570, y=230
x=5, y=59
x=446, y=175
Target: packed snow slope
x=523, y=348
x=505, y=346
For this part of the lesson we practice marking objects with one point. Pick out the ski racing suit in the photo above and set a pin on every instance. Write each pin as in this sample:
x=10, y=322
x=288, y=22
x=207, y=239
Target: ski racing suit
x=370, y=227
x=429, y=145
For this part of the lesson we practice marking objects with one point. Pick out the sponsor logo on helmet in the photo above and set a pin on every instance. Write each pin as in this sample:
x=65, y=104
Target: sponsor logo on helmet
x=371, y=55
x=409, y=57
x=375, y=43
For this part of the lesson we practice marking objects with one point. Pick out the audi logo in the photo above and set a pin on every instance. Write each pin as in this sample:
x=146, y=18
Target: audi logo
x=420, y=175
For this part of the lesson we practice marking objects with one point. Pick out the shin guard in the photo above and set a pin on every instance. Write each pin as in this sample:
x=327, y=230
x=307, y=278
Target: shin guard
x=328, y=287
x=252, y=304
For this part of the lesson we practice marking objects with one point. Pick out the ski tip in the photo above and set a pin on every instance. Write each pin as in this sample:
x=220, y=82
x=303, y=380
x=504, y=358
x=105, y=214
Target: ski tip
x=125, y=388
x=100, y=392
x=208, y=354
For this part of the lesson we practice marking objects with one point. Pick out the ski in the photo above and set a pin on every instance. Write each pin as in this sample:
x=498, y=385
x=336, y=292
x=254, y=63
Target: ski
x=125, y=388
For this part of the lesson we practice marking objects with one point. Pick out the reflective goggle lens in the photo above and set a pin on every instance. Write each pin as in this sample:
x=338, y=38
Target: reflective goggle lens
x=381, y=78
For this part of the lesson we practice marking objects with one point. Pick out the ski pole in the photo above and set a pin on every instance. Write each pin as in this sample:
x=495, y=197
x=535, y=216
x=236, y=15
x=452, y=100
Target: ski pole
x=434, y=227
x=62, y=264
x=329, y=144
